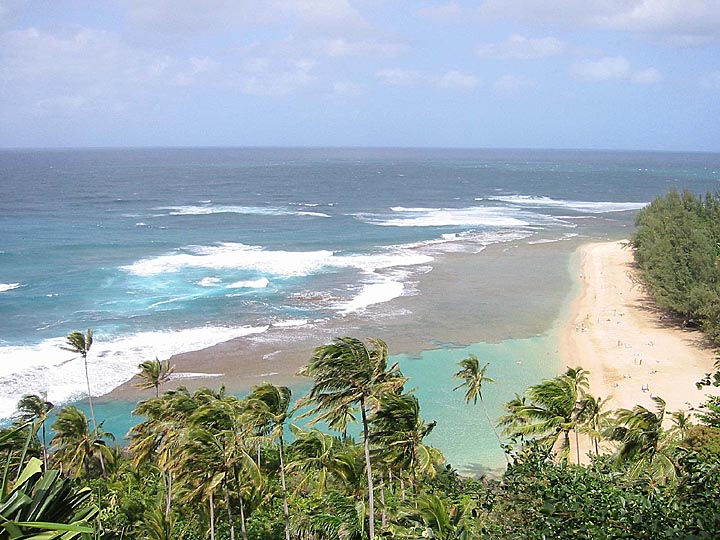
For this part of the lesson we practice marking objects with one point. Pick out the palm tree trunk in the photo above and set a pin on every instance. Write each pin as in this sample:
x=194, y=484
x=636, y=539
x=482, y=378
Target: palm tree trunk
x=368, y=468
x=415, y=487
x=577, y=445
x=595, y=443
x=243, y=530
x=92, y=415
x=286, y=512
x=212, y=517
x=45, y=452
x=492, y=425
x=229, y=513
x=168, y=495
x=87, y=381
x=383, y=515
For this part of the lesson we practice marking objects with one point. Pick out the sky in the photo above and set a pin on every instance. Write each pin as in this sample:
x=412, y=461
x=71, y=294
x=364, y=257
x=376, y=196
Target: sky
x=596, y=74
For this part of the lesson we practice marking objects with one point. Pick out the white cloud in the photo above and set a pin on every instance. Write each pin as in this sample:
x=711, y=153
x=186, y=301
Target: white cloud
x=399, y=77
x=675, y=21
x=261, y=76
x=647, y=76
x=194, y=16
x=518, y=47
x=509, y=84
x=605, y=69
x=178, y=17
x=76, y=71
x=456, y=79
x=615, y=68
x=452, y=79
x=675, y=17
x=77, y=68
x=198, y=68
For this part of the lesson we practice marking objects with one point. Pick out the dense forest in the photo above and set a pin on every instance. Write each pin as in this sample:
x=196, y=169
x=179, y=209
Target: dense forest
x=208, y=464
x=677, y=248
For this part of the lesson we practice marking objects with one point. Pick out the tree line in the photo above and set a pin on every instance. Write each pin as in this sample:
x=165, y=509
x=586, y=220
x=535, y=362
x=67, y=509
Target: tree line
x=208, y=464
x=677, y=249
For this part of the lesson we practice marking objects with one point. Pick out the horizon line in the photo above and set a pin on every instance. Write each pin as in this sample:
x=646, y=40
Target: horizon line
x=353, y=147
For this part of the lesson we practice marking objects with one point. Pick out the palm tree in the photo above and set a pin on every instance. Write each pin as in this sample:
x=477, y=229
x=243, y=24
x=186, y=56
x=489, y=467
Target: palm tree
x=398, y=431
x=595, y=419
x=75, y=445
x=433, y=517
x=159, y=438
x=153, y=373
x=644, y=445
x=513, y=420
x=551, y=413
x=474, y=378
x=268, y=405
x=682, y=422
x=318, y=456
x=579, y=379
x=349, y=372
x=211, y=461
x=33, y=408
x=335, y=516
x=80, y=343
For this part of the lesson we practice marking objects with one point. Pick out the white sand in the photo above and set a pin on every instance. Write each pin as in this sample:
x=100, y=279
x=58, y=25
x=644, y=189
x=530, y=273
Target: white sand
x=630, y=349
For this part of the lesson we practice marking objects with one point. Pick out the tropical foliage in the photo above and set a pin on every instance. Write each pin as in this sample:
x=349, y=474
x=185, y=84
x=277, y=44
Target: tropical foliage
x=207, y=464
x=153, y=373
x=677, y=249
x=45, y=506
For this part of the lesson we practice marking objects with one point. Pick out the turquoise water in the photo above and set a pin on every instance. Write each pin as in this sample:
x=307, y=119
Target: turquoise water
x=462, y=432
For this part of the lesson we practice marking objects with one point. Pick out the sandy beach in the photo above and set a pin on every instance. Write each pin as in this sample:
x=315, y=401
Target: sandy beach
x=631, y=349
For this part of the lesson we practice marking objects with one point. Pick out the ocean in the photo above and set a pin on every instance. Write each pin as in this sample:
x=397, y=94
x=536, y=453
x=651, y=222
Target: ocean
x=166, y=251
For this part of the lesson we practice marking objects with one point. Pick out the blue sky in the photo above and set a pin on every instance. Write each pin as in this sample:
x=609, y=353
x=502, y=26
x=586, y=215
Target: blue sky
x=618, y=74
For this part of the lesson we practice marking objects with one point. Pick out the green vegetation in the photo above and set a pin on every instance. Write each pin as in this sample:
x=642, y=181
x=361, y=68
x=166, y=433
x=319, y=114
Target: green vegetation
x=677, y=249
x=211, y=465
x=153, y=373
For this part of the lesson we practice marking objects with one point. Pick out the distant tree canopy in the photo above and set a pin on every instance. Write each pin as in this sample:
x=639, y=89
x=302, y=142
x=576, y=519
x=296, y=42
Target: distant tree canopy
x=677, y=248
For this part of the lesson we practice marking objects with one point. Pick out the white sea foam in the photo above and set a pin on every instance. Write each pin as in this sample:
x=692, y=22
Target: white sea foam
x=195, y=210
x=290, y=323
x=230, y=256
x=562, y=238
x=592, y=207
x=373, y=293
x=250, y=284
x=190, y=375
x=475, y=216
x=468, y=241
x=45, y=367
x=209, y=282
x=4, y=287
